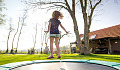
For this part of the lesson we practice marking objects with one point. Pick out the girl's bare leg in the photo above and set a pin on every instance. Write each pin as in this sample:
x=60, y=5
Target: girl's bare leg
x=51, y=45
x=57, y=46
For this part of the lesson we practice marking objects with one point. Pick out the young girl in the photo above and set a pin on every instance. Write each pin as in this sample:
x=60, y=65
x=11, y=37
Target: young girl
x=54, y=32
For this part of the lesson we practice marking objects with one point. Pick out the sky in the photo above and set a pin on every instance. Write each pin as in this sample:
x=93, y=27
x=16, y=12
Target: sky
x=106, y=15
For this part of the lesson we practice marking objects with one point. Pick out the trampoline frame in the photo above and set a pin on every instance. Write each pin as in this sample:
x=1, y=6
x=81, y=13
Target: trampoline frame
x=11, y=66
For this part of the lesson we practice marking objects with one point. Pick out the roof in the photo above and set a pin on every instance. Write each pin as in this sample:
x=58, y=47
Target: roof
x=113, y=31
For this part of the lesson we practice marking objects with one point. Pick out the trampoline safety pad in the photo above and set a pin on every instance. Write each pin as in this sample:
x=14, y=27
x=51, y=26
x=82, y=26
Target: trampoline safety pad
x=66, y=64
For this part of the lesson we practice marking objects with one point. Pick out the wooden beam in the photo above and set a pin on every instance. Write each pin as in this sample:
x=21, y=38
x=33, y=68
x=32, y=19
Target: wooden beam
x=109, y=49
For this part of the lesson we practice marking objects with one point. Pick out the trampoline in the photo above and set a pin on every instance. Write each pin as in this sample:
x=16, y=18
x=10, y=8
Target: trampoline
x=65, y=65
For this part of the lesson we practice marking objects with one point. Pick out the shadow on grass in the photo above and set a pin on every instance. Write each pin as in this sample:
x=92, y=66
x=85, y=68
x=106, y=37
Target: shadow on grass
x=108, y=57
x=93, y=57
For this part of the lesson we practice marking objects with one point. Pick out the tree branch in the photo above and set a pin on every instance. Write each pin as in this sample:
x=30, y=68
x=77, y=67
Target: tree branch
x=44, y=3
x=97, y=4
x=69, y=9
x=85, y=4
x=81, y=2
x=92, y=10
x=73, y=7
x=61, y=6
x=90, y=4
x=64, y=5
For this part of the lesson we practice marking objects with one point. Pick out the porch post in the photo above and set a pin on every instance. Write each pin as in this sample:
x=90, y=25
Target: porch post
x=92, y=46
x=109, y=49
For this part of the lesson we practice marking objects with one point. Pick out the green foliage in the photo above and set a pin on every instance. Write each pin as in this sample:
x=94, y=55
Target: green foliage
x=2, y=6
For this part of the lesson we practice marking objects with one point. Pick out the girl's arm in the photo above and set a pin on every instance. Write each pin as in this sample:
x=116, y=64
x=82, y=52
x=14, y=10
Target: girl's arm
x=49, y=26
x=64, y=28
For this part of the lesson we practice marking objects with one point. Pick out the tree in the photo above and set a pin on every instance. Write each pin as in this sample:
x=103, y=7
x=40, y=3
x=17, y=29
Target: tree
x=10, y=30
x=23, y=24
x=42, y=38
x=87, y=16
x=15, y=34
x=1, y=14
x=46, y=35
x=35, y=36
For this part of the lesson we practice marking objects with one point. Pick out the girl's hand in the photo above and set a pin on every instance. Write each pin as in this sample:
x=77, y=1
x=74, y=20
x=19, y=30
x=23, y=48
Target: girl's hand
x=67, y=32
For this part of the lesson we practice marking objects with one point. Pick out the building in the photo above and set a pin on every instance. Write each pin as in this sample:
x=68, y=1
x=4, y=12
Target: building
x=104, y=41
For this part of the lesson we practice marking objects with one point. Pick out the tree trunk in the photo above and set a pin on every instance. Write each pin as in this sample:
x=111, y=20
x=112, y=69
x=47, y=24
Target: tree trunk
x=23, y=19
x=86, y=39
x=35, y=37
x=78, y=40
x=86, y=35
x=76, y=31
x=8, y=40
x=86, y=31
x=19, y=36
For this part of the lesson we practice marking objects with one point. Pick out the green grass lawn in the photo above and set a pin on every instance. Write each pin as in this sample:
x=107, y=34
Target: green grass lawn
x=10, y=58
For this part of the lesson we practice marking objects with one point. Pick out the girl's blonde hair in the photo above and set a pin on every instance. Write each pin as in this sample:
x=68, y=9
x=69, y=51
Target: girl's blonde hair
x=57, y=15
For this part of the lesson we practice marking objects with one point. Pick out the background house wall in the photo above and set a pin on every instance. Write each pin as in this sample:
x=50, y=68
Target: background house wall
x=115, y=43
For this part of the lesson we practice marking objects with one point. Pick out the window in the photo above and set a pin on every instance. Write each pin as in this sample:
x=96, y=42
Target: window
x=82, y=38
x=92, y=36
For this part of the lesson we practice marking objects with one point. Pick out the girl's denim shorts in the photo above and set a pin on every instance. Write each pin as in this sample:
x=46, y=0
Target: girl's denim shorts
x=55, y=35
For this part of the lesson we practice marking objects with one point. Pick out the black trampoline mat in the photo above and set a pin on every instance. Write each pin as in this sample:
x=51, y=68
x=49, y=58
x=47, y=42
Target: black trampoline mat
x=64, y=66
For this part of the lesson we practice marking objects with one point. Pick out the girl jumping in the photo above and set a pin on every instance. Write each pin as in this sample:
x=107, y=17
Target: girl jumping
x=54, y=32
